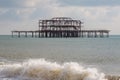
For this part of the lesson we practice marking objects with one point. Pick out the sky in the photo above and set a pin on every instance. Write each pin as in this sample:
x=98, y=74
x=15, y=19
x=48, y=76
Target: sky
x=24, y=14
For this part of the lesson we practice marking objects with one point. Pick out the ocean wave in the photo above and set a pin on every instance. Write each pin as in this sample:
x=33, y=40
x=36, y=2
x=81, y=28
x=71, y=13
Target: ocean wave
x=41, y=69
x=112, y=77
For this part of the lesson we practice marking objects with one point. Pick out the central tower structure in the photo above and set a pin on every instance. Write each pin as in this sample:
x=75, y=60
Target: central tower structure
x=59, y=27
x=60, y=24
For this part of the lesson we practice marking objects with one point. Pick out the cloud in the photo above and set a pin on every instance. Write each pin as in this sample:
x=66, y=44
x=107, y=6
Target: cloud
x=34, y=9
x=34, y=3
x=97, y=16
x=24, y=3
x=10, y=3
x=25, y=9
x=23, y=14
x=2, y=11
x=100, y=17
x=91, y=2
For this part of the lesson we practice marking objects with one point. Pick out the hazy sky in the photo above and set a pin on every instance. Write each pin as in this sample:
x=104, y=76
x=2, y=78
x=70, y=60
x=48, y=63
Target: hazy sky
x=24, y=14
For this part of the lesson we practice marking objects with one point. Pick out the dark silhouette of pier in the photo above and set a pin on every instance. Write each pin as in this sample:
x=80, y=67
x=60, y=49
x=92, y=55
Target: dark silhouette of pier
x=61, y=27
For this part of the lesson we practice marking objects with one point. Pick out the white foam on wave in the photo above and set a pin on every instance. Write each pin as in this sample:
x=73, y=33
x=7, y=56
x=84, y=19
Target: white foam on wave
x=40, y=69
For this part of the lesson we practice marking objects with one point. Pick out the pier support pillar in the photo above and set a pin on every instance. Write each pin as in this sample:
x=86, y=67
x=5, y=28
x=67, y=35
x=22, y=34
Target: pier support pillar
x=12, y=33
x=88, y=34
x=101, y=34
x=32, y=34
x=19, y=34
x=39, y=34
x=35, y=34
x=25, y=34
x=107, y=34
x=95, y=34
x=82, y=34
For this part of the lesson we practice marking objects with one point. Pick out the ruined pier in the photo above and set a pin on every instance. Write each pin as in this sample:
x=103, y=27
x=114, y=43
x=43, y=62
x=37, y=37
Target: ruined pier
x=61, y=27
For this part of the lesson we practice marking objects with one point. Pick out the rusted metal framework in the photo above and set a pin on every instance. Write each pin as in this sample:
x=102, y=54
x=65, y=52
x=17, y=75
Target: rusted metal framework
x=63, y=27
x=60, y=23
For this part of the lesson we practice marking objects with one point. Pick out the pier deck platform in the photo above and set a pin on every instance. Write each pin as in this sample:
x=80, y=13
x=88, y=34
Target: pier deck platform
x=62, y=33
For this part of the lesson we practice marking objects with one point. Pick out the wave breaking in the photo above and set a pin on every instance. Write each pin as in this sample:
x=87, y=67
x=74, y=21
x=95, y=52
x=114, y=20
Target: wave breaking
x=40, y=69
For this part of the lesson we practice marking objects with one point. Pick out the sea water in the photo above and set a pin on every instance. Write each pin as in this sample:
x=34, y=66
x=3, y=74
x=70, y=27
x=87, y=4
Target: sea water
x=59, y=58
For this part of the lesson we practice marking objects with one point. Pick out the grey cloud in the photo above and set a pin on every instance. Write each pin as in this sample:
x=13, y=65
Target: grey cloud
x=13, y=3
x=91, y=2
x=22, y=3
x=10, y=15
